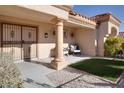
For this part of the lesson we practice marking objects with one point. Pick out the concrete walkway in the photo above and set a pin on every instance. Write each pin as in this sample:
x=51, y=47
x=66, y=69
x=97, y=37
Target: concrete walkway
x=34, y=72
x=34, y=75
x=39, y=74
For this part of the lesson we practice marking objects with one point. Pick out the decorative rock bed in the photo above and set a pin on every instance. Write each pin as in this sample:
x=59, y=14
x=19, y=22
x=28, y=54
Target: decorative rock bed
x=73, y=78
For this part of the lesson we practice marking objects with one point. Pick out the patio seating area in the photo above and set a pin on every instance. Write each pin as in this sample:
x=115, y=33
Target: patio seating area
x=72, y=49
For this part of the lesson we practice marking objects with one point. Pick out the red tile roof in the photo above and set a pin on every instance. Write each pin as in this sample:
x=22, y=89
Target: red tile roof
x=100, y=17
x=77, y=14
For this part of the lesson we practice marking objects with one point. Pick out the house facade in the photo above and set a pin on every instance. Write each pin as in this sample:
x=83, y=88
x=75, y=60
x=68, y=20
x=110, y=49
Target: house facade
x=42, y=31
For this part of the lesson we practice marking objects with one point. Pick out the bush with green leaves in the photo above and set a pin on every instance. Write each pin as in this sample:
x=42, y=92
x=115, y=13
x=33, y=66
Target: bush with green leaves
x=9, y=73
x=112, y=45
x=122, y=46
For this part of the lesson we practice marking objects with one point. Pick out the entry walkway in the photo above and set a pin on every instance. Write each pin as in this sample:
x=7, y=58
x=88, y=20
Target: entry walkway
x=34, y=75
x=34, y=72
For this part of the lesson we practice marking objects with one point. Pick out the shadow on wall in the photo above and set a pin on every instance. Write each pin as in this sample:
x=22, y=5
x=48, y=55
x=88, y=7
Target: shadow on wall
x=26, y=51
x=49, y=39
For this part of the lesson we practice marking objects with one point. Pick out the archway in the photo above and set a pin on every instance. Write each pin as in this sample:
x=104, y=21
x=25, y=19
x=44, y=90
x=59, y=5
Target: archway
x=113, y=32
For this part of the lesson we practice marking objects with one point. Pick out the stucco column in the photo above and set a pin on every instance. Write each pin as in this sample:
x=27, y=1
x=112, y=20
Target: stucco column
x=59, y=62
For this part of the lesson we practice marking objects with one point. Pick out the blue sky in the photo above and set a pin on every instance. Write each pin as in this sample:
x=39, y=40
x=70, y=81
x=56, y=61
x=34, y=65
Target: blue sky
x=92, y=10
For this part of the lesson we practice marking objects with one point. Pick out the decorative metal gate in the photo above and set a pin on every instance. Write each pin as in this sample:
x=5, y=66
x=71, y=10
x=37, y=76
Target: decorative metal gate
x=20, y=40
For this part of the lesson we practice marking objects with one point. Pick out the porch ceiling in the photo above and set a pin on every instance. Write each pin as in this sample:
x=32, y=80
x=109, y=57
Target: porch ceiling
x=23, y=13
x=78, y=25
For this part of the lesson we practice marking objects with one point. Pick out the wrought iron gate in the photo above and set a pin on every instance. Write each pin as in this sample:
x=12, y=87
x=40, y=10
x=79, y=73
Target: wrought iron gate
x=21, y=40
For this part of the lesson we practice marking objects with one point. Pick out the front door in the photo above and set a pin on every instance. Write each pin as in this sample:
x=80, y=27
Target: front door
x=26, y=51
x=20, y=40
x=29, y=42
x=11, y=40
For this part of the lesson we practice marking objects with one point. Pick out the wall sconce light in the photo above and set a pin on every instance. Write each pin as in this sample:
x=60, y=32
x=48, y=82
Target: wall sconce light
x=54, y=32
x=46, y=35
x=72, y=35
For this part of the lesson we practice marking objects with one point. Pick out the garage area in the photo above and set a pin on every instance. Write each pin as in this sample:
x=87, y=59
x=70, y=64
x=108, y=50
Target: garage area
x=20, y=40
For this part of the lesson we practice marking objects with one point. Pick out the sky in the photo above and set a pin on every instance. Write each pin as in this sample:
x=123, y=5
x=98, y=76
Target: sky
x=92, y=10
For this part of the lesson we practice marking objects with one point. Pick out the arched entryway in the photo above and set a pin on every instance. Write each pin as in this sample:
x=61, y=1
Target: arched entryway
x=113, y=32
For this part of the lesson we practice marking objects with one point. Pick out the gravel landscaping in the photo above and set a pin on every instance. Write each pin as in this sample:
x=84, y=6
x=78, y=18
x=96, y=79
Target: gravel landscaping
x=73, y=78
x=120, y=83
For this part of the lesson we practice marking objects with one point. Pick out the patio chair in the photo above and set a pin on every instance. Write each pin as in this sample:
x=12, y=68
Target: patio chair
x=74, y=49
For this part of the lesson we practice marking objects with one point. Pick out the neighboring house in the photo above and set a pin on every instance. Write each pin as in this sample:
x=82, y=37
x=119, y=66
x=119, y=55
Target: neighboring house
x=36, y=31
x=121, y=34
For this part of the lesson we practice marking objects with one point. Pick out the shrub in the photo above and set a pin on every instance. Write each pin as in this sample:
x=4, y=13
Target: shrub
x=9, y=74
x=112, y=45
x=122, y=45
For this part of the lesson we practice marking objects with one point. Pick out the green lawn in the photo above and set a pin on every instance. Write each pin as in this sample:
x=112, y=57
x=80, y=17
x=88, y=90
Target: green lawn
x=108, y=69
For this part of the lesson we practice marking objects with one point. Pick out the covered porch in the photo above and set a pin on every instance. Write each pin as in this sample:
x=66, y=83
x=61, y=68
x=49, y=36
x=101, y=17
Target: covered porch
x=54, y=32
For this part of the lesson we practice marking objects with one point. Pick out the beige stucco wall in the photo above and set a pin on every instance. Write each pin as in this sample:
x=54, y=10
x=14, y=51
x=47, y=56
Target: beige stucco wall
x=104, y=30
x=101, y=32
x=44, y=45
x=86, y=40
x=0, y=37
x=69, y=39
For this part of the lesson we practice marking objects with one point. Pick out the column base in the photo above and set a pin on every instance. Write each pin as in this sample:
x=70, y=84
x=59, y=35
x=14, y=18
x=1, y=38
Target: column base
x=58, y=65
